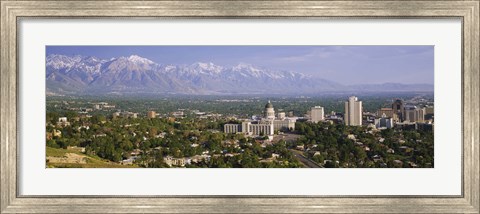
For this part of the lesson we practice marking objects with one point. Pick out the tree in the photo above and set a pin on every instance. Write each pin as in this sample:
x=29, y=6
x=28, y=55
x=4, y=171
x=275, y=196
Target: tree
x=52, y=117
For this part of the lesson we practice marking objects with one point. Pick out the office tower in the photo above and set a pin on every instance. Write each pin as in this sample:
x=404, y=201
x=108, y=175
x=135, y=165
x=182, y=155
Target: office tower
x=317, y=114
x=399, y=109
x=420, y=115
x=353, y=112
x=414, y=114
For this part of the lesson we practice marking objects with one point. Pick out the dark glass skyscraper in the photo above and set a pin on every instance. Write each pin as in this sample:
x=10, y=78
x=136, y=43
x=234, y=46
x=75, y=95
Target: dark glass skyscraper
x=399, y=109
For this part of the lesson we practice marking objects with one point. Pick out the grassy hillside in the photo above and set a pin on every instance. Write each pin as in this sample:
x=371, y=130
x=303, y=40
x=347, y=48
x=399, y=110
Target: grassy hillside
x=91, y=161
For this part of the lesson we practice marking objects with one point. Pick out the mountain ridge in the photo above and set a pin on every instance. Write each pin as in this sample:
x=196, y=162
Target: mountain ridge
x=135, y=74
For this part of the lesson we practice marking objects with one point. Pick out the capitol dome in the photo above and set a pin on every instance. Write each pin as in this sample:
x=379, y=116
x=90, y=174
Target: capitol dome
x=269, y=105
x=269, y=112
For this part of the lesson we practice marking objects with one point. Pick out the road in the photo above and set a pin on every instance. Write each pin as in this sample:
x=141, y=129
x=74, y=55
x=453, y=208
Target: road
x=298, y=154
x=307, y=162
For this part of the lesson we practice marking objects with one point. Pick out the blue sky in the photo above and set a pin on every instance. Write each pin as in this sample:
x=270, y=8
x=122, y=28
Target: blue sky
x=342, y=64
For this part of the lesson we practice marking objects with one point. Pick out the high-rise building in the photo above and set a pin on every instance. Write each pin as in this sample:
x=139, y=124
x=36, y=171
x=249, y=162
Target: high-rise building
x=353, y=112
x=308, y=115
x=399, y=109
x=317, y=114
x=269, y=113
x=151, y=114
x=414, y=114
x=421, y=115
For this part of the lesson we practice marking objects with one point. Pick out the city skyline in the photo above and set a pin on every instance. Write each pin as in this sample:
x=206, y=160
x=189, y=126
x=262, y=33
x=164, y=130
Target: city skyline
x=239, y=107
x=363, y=64
x=218, y=133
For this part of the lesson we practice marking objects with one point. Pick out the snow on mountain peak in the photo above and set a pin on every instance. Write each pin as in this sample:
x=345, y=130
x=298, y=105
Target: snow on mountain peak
x=137, y=73
x=242, y=65
x=139, y=59
x=94, y=65
x=206, y=67
x=245, y=69
x=130, y=63
x=92, y=60
x=58, y=61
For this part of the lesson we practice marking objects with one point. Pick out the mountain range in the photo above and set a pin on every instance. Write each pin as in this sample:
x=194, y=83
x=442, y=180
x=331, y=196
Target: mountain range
x=134, y=74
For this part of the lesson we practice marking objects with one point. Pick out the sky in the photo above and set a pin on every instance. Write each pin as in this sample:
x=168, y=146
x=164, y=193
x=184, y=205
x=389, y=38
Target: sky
x=343, y=64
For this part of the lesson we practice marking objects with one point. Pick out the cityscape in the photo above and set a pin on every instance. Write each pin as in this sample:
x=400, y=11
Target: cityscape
x=132, y=112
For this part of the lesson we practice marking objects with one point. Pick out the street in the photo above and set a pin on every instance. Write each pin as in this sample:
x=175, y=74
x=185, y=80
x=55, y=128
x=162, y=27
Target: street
x=306, y=162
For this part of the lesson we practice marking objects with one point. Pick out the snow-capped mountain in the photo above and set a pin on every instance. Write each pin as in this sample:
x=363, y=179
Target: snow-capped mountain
x=133, y=74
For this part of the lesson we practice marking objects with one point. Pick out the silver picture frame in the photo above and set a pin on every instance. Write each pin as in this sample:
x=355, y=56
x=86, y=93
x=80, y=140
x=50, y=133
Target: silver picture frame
x=12, y=11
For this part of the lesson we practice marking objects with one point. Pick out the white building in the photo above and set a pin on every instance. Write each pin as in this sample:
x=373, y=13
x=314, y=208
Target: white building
x=266, y=126
x=261, y=129
x=269, y=113
x=288, y=124
x=63, y=121
x=232, y=128
x=255, y=129
x=353, y=112
x=129, y=114
x=171, y=161
x=317, y=114
x=278, y=124
x=178, y=114
x=384, y=122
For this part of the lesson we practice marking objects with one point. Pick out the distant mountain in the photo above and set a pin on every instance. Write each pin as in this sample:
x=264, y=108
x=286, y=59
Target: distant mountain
x=398, y=87
x=135, y=74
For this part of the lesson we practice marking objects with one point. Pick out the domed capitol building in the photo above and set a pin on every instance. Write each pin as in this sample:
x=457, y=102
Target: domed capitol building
x=266, y=126
x=269, y=112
